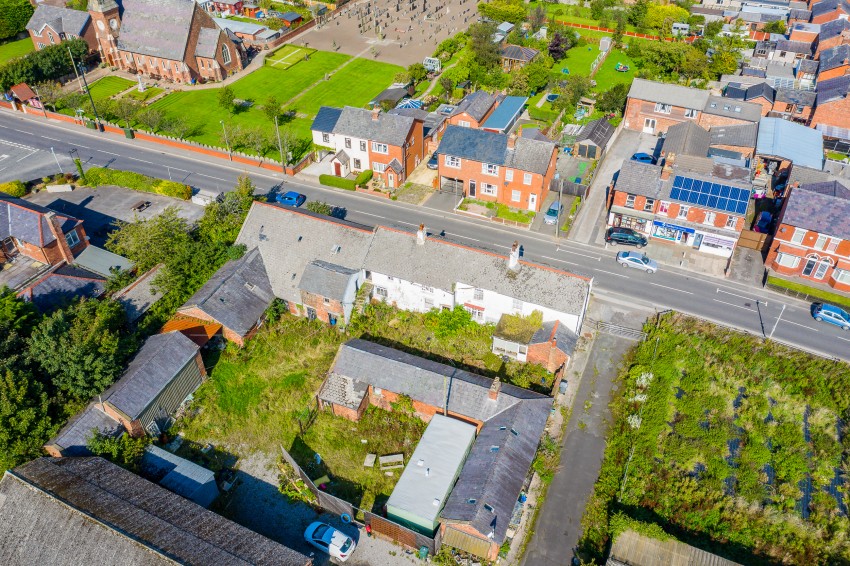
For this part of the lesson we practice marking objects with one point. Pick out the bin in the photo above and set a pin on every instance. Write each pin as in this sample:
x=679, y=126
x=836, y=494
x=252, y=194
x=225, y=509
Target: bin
x=128, y=133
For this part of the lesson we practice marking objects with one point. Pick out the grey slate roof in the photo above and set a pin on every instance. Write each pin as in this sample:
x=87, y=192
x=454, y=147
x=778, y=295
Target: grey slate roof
x=155, y=365
x=796, y=96
x=476, y=104
x=800, y=47
x=326, y=119
x=638, y=178
x=326, y=279
x=807, y=175
x=237, y=295
x=441, y=264
x=61, y=20
x=139, y=296
x=833, y=28
x=396, y=166
x=62, y=286
x=737, y=109
x=743, y=135
x=70, y=511
x=29, y=222
x=833, y=89
x=597, y=132
x=822, y=207
x=390, y=129
x=800, y=14
x=674, y=95
x=807, y=66
x=73, y=438
x=179, y=475
x=156, y=28
x=565, y=338
x=686, y=138
x=834, y=57
x=519, y=53
x=289, y=239
x=489, y=147
x=207, y=43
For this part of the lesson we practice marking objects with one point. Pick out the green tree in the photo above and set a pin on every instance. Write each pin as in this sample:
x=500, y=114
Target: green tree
x=485, y=52
x=127, y=108
x=503, y=10
x=24, y=421
x=151, y=118
x=80, y=348
x=538, y=72
x=14, y=15
x=617, y=38
x=50, y=92
x=448, y=86
x=151, y=241
x=613, y=99
x=271, y=108
x=711, y=29
x=537, y=17
x=695, y=65
x=417, y=72
x=123, y=450
x=558, y=46
x=657, y=13
x=16, y=313
x=636, y=14
x=221, y=221
x=776, y=26
x=226, y=97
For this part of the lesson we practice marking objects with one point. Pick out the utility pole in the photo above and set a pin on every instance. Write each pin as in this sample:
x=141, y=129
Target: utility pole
x=74, y=64
x=279, y=145
x=88, y=91
x=226, y=142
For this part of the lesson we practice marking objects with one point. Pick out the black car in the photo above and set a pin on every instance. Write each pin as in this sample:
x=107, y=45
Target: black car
x=625, y=236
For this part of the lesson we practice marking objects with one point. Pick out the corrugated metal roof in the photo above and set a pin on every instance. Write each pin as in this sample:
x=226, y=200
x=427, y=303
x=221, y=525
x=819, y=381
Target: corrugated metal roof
x=179, y=475
x=638, y=550
x=792, y=141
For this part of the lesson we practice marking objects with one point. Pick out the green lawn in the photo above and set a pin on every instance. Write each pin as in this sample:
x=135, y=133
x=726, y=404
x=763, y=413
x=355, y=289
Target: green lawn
x=578, y=60
x=286, y=83
x=109, y=86
x=606, y=76
x=834, y=298
x=150, y=92
x=13, y=49
x=355, y=85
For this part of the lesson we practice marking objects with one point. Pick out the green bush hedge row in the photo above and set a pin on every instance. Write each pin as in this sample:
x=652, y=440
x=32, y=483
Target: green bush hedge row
x=548, y=116
x=347, y=184
x=363, y=178
x=14, y=188
x=97, y=176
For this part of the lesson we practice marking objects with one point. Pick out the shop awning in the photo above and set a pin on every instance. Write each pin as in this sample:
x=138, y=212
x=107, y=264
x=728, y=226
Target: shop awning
x=632, y=212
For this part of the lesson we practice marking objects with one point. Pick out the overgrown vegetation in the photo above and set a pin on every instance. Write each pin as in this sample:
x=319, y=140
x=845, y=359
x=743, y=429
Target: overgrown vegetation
x=123, y=450
x=99, y=176
x=45, y=64
x=729, y=443
x=13, y=188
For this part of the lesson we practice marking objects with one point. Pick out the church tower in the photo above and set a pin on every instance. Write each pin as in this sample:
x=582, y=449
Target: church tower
x=106, y=18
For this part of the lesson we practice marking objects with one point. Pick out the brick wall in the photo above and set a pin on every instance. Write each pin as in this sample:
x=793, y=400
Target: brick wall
x=134, y=428
x=637, y=111
x=745, y=151
x=804, y=249
x=323, y=309
x=694, y=215
x=709, y=120
x=229, y=334
x=802, y=117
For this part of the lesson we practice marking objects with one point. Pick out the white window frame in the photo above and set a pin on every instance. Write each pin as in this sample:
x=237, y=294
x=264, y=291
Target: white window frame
x=478, y=295
x=820, y=243
x=783, y=260
x=362, y=145
x=516, y=196
x=526, y=178
x=649, y=204
x=683, y=211
x=463, y=123
x=517, y=304
x=798, y=236
x=225, y=54
x=732, y=222
x=490, y=169
x=381, y=148
x=347, y=143
x=452, y=161
x=630, y=201
x=509, y=174
x=821, y=268
x=72, y=238
x=833, y=244
x=841, y=275
x=661, y=108
x=50, y=37
x=40, y=45
x=691, y=113
x=381, y=292
x=663, y=207
x=379, y=167
x=357, y=164
x=710, y=217
x=488, y=189
x=326, y=137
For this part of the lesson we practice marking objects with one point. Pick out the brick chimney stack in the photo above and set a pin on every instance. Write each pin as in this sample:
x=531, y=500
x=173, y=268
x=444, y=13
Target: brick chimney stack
x=376, y=113
x=513, y=257
x=420, y=235
x=495, y=387
x=512, y=141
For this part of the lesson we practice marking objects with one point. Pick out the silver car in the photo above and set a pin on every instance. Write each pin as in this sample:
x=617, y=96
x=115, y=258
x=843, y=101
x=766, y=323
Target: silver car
x=637, y=260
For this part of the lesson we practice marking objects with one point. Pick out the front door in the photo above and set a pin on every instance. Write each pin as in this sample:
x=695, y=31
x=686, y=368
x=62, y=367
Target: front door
x=472, y=187
x=649, y=126
x=337, y=169
x=809, y=267
x=391, y=179
x=532, y=202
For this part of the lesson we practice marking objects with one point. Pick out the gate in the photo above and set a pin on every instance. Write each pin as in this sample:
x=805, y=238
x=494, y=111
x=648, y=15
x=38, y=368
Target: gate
x=562, y=186
x=451, y=186
x=401, y=534
x=615, y=329
x=754, y=240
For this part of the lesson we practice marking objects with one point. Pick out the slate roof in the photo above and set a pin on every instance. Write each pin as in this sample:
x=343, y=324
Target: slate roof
x=822, y=207
x=686, y=138
x=807, y=175
x=391, y=129
x=476, y=104
x=139, y=296
x=674, y=95
x=834, y=57
x=73, y=438
x=207, y=43
x=327, y=279
x=833, y=89
x=638, y=178
x=290, y=239
x=833, y=28
x=158, y=361
x=597, y=132
x=800, y=14
x=565, y=338
x=179, y=475
x=29, y=222
x=156, y=28
x=392, y=94
x=431, y=121
x=62, y=286
x=792, y=141
x=441, y=264
x=796, y=96
x=237, y=295
x=69, y=511
x=519, y=53
x=61, y=20
x=801, y=47
x=809, y=66
x=737, y=109
x=743, y=135
x=488, y=147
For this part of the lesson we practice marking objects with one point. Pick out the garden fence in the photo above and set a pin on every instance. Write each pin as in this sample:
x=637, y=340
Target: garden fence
x=563, y=186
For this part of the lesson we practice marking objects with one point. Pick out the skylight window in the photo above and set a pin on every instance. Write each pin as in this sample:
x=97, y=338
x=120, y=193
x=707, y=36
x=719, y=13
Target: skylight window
x=489, y=508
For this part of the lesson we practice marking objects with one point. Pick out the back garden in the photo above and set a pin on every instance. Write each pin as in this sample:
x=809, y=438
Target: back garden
x=727, y=443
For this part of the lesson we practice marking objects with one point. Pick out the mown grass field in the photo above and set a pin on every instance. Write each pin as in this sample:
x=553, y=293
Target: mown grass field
x=15, y=49
x=109, y=86
x=149, y=93
x=287, y=56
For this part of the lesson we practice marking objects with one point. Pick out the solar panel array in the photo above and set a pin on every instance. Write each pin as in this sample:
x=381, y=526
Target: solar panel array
x=712, y=195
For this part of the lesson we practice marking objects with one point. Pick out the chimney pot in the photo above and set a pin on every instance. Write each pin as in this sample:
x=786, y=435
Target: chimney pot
x=420, y=235
x=512, y=141
x=494, y=389
x=376, y=112
x=513, y=257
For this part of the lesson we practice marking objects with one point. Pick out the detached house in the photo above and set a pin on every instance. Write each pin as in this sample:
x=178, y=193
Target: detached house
x=495, y=167
x=391, y=145
x=516, y=57
x=473, y=110
x=49, y=25
x=652, y=107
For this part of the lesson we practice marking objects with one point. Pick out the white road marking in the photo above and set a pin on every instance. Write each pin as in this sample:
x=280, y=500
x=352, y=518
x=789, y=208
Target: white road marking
x=108, y=152
x=143, y=161
x=597, y=258
x=671, y=288
x=559, y=260
x=27, y=155
x=209, y=176
x=798, y=324
x=610, y=273
x=734, y=305
x=719, y=290
x=52, y=139
x=845, y=339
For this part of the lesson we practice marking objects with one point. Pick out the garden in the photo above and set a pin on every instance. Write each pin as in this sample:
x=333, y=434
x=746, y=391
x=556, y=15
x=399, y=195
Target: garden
x=729, y=443
x=14, y=49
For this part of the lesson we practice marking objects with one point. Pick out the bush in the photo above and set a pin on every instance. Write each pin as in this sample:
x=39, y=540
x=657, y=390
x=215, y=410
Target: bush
x=338, y=182
x=541, y=114
x=172, y=189
x=363, y=178
x=98, y=176
x=319, y=207
x=14, y=188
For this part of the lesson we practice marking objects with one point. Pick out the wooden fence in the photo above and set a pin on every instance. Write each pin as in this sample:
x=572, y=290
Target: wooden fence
x=754, y=240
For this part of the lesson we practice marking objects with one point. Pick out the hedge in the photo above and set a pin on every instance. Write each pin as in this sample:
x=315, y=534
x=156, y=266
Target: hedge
x=338, y=182
x=363, y=178
x=548, y=116
x=97, y=176
x=14, y=188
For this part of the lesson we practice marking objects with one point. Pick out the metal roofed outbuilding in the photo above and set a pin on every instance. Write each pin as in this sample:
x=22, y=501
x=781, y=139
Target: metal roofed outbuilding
x=790, y=141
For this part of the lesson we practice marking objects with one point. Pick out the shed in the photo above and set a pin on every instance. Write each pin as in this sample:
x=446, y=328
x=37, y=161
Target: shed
x=291, y=18
x=179, y=475
x=425, y=484
x=22, y=92
x=593, y=138
x=633, y=549
x=506, y=114
x=789, y=141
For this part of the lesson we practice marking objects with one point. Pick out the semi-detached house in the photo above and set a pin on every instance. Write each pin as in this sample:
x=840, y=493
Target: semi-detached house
x=493, y=167
x=50, y=25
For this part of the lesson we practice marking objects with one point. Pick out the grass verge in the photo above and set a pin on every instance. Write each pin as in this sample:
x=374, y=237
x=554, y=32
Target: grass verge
x=813, y=292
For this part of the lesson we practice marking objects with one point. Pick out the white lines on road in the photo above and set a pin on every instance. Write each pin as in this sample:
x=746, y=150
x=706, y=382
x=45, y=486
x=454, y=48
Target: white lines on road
x=207, y=176
x=108, y=152
x=596, y=257
x=671, y=288
x=559, y=260
x=137, y=159
x=719, y=290
x=734, y=305
x=52, y=139
x=798, y=324
x=845, y=339
x=27, y=155
x=611, y=273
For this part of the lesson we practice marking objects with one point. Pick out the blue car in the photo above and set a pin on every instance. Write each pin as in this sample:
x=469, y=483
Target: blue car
x=643, y=158
x=291, y=198
x=434, y=162
x=831, y=314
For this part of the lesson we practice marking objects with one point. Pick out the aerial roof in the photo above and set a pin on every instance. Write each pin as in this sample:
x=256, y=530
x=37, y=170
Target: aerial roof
x=101, y=261
x=179, y=475
x=428, y=478
x=72, y=439
x=675, y=95
x=686, y=138
x=791, y=141
x=527, y=154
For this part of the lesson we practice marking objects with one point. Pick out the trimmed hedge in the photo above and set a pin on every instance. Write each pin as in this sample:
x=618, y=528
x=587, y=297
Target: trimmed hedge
x=338, y=182
x=97, y=176
x=548, y=116
x=14, y=188
x=363, y=178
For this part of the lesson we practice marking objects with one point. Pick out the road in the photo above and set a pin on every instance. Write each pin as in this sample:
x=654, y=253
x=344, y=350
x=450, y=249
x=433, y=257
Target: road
x=749, y=308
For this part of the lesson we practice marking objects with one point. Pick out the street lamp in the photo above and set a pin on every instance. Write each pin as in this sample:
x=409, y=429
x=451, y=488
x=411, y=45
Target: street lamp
x=226, y=142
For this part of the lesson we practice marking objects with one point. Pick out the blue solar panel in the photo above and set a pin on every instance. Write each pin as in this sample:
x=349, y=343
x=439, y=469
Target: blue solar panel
x=712, y=202
x=688, y=183
x=711, y=195
x=675, y=193
x=724, y=191
x=677, y=181
x=715, y=190
x=702, y=199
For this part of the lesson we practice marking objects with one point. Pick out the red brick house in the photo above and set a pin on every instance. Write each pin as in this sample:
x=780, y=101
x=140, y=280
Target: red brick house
x=652, y=107
x=49, y=25
x=549, y=345
x=831, y=34
x=812, y=239
x=761, y=94
x=473, y=110
x=832, y=105
x=793, y=104
x=720, y=111
x=495, y=167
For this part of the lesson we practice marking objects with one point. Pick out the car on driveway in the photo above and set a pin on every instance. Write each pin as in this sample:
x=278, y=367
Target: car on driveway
x=638, y=261
x=291, y=198
x=328, y=539
x=434, y=162
x=644, y=158
x=553, y=213
x=823, y=312
x=625, y=236
x=762, y=225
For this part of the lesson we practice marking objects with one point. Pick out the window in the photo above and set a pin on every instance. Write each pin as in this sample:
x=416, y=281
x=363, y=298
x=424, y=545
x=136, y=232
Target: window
x=225, y=54
x=798, y=235
x=126, y=57
x=731, y=222
x=489, y=169
x=452, y=161
x=526, y=179
x=489, y=508
x=683, y=211
x=463, y=123
x=663, y=108
x=362, y=145
x=516, y=196
x=326, y=138
x=823, y=265
x=380, y=148
x=429, y=303
x=50, y=37
x=690, y=113
x=630, y=201
x=357, y=164
x=347, y=143
x=517, y=304
x=478, y=294
x=488, y=189
x=649, y=205
x=379, y=167
x=820, y=244
x=663, y=207
x=509, y=174
x=476, y=314
x=327, y=300
x=833, y=244
x=709, y=217
x=381, y=292
x=841, y=275
x=40, y=45
x=72, y=238
x=787, y=260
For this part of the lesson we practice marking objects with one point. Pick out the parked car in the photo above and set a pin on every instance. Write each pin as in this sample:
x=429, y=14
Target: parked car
x=762, y=224
x=291, y=198
x=328, y=539
x=434, y=162
x=553, y=213
x=625, y=236
x=644, y=158
x=638, y=261
x=830, y=313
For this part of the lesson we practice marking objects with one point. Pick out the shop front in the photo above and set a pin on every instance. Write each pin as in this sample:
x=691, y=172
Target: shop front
x=673, y=233
x=698, y=239
x=638, y=220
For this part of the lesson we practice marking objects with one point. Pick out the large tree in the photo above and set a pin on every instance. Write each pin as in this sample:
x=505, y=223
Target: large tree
x=484, y=50
x=24, y=421
x=558, y=46
x=221, y=221
x=152, y=241
x=14, y=15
